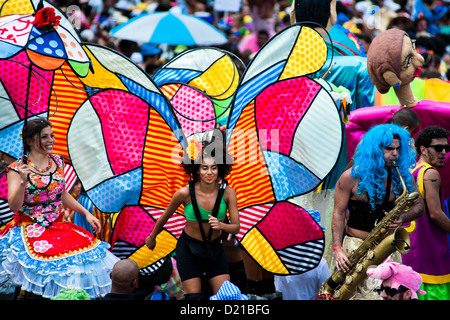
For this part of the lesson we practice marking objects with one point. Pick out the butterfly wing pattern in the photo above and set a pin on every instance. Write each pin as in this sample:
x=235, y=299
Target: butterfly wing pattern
x=123, y=133
x=100, y=105
x=200, y=84
x=37, y=69
x=276, y=135
x=38, y=72
x=128, y=157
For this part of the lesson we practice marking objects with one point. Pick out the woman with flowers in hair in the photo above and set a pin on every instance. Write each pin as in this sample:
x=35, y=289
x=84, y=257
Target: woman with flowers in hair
x=206, y=201
x=368, y=190
x=40, y=253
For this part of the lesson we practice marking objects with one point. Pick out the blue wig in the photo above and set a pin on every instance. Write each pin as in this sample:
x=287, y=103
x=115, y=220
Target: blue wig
x=369, y=164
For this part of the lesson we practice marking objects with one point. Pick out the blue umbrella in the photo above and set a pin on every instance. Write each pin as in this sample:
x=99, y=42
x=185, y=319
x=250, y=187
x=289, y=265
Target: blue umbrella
x=169, y=28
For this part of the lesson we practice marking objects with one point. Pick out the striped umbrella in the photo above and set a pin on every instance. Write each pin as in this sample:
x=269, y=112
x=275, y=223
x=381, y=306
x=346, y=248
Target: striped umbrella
x=170, y=28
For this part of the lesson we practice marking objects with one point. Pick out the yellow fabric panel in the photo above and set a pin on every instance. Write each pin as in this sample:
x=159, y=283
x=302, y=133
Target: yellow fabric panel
x=435, y=279
x=165, y=244
x=437, y=90
x=102, y=77
x=308, y=56
x=220, y=80
x=258, y=247
x=16, y=7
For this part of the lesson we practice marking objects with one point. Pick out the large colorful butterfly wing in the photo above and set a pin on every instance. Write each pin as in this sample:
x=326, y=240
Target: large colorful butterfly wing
x=117, y=129
x=162, y=175
x=125, y=143
x=40, y=72
x=30, y=78
x=200, y=84
x=194, y=110
x=276, y=137
x=85, y=86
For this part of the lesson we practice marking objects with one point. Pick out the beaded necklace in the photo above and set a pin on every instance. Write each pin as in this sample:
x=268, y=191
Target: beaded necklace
x=39, y=169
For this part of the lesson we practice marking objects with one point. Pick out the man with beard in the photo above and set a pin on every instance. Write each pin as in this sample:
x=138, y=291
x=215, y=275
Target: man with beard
x=367, y=191
x=429, y=254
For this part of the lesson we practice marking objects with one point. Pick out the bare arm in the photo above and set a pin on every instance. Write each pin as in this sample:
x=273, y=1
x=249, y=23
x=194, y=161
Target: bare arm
x=432, y=184
x=342, y=194
x=16, y=186
x=70, y=202
x=234, y=226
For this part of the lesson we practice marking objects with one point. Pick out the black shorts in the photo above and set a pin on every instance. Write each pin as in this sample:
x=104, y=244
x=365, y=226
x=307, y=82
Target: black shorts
x=194, y=259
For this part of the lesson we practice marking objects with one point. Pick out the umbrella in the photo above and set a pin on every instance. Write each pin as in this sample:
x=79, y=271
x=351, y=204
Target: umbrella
x=170, y=28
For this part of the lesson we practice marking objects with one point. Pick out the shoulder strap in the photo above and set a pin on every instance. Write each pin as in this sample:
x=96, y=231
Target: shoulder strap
x=423, y=167
x=215, y=211
x=222, y=188
x=195, y=207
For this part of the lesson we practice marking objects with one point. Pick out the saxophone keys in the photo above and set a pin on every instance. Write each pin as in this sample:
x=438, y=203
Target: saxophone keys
x=359, y=268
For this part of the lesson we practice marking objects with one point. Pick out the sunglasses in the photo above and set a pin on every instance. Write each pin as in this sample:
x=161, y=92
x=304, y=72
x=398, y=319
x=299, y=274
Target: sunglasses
x=391, y=291
x=440, y=147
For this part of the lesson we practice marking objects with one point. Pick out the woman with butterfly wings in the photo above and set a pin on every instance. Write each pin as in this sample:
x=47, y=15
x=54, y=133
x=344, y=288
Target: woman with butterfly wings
x=282, y=129
x=206, y=201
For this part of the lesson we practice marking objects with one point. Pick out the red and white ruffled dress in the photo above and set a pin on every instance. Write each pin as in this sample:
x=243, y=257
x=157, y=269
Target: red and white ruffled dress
x=43, y=255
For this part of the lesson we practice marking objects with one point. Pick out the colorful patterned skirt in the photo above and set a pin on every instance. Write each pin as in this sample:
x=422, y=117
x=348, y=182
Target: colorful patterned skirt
x=46, y=260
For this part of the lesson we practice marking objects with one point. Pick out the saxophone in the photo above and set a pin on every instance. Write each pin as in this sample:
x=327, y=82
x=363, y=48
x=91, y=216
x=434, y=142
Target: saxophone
x=372, y=251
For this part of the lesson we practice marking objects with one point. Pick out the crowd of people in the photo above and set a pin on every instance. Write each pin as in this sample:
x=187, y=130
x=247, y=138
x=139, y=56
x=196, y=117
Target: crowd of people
x=205, y=266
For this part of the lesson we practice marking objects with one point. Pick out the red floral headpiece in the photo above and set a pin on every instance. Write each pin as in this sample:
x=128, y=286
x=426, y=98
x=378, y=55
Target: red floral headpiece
x=46, y=18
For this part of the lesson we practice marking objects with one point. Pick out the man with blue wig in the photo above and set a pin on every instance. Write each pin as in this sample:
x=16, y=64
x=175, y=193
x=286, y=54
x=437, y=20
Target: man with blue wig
x=361, y=200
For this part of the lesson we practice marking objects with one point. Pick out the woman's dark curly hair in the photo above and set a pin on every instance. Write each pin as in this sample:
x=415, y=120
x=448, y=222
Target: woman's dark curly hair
x=426, y=135
x=213, y=146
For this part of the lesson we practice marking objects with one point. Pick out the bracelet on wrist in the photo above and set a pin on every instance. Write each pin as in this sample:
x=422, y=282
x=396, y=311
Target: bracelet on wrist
x=337, y=248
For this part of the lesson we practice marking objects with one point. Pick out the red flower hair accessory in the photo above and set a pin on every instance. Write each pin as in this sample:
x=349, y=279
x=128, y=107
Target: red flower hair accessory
x=46, y=18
